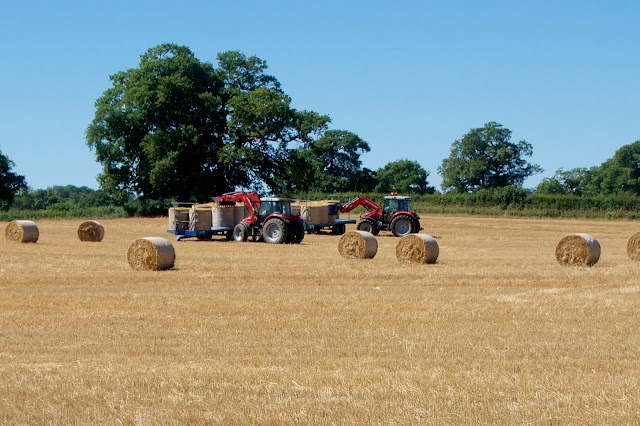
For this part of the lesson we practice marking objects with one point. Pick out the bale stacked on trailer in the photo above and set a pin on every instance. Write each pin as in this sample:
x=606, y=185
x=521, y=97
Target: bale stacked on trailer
x=578, y=249
x=91, y=231
x=151, y=254
x=179, y=218
x=633, y=246
x=222, y=216
x=200, y=217
x=240, y=212
x=417, y=248
x=22, y=231
x=358, y=245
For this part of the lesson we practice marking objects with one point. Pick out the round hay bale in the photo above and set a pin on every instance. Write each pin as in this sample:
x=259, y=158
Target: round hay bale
x=151, y=254
x=178, y=218
x=222, y=216
x=578, y=249
x=633, y=246
x=22, y=231
x=358, y=245
x=417, y=248
x=91, y=230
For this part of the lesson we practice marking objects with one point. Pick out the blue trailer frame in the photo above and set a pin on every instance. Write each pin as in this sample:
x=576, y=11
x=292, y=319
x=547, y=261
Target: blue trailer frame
x=188, y=233
x=316, y=227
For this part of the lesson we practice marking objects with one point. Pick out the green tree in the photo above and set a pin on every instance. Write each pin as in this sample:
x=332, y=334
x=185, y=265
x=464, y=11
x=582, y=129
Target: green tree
x=572, y=181
x=10, y=182
x=486, y=158
x=176, y=127
x=618, y=174
x=403, y=177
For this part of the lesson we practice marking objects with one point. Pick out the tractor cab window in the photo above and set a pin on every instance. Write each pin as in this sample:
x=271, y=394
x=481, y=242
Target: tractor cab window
x=274, y=207
x=404, y=205
x=390, y=207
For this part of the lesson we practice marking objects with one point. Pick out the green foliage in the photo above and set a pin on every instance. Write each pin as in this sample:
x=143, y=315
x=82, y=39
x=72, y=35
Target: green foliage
x=10, y=183
x=572, y=181
x=404, y=177
x=179, y=128
x=620, y=174
x=486, y=158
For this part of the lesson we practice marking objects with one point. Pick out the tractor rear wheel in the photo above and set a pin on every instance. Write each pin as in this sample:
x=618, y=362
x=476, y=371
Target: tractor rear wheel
x=274, y=231
x=240, y=232
x=401, y=225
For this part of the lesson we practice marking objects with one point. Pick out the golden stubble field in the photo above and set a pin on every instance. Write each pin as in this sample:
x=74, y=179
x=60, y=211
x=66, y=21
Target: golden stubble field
x=241, y=333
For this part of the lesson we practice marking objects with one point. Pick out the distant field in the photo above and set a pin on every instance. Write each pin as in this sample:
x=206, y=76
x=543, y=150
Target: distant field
x=496, y=331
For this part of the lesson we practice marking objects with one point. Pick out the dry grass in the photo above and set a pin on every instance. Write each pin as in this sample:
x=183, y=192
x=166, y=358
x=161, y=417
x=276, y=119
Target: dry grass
x=496, y=331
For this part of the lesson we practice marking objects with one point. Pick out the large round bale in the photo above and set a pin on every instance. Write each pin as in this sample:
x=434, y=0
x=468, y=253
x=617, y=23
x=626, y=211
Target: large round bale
x=240, y=212
x=200, y=218
x=633, y=246
x=578, y=249
x=358, y=245
x=21, y=231
x=91, y=230
x=222, y=216
x=417, y=248
x=151, y=254
x=178, y=218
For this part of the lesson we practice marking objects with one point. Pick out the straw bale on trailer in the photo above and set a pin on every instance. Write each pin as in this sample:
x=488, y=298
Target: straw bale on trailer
x=151, y=254
x=358, y=245
x=417, y=248
x=315, y=215
x=21, y=231
x=633, y=246
x=222, y=216
x=578, y=249
x=240, y=212
x=91, y=231
x=200, y=217
x=179, y=218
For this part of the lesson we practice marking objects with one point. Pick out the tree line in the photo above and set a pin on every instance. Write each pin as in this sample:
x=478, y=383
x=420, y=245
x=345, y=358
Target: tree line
x=177, y=128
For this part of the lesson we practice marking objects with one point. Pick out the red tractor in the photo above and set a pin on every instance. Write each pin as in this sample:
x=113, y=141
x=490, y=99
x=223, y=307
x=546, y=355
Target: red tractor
x=271, y=219
x=396, y=215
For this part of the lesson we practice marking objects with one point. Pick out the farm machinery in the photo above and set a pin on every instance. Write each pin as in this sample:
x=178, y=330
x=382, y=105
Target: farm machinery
x=395, y=216
x=271, y=219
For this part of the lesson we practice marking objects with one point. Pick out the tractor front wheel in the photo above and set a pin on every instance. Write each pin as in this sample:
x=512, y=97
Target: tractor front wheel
x=275, y=231
x=368, y=225
x=240, y=232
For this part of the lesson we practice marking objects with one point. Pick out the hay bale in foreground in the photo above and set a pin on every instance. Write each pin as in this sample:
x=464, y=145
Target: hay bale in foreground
x=578, y=249
x=21, y=231
x=417, y=248
x=633, y=246
x=91, y=230
x=358, y=245
x=151, y=254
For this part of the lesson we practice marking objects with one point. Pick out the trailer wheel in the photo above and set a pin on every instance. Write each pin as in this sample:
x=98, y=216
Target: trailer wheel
x=401, y=225
x=205, y=237
x=228, y=235
x=240, y=232
x=338, y=229
x=296, y=233
x=275, y=231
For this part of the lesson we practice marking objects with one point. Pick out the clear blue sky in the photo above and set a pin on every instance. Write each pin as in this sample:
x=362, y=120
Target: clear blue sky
x=409, y=77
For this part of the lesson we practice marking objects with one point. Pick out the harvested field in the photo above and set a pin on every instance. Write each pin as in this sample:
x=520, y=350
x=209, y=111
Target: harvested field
x=495, y=332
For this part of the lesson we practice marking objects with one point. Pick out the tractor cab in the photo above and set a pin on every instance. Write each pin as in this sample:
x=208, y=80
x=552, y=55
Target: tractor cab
x=270, y=206
x=393, y=204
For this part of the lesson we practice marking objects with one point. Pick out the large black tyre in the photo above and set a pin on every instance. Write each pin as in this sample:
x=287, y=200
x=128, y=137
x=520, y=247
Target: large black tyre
x=368, y=225
x=296, y=233
x=205, y=237
x=338, y=229
x=401, y=225
x=275, y=231
x=240, y=232
x=415, y=226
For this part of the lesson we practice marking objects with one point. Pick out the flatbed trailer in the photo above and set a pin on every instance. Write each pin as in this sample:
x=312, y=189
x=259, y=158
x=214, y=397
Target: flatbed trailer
x=337, y=227
x=181, y=234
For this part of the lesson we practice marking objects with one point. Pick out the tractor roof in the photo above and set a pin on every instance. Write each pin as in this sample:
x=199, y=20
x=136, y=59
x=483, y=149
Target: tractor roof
x=397, y=197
